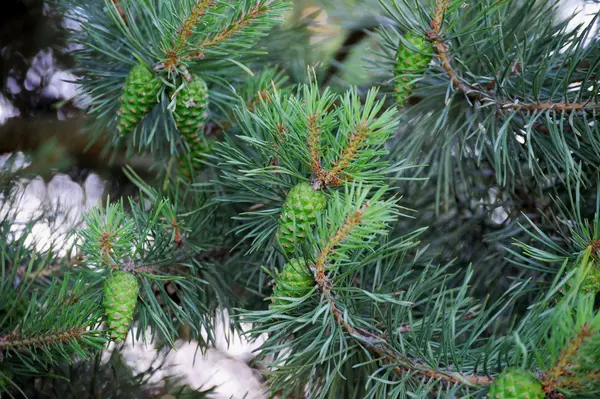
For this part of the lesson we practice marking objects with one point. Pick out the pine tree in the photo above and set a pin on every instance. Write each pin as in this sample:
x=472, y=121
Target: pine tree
x=433, y=231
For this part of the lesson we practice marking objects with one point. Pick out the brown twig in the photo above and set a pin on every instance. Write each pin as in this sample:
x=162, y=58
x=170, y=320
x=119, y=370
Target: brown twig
x=371, y=341
x=343, y=232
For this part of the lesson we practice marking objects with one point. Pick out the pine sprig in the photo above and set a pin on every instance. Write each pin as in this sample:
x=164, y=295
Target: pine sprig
x=340, y=316
x=108, y=237
x=355, y=219
x=177, y=40
x=559, y=375
x=282, y=143
x=167, y=247
x=528, y=113
x=564, y=343
x=61, y=322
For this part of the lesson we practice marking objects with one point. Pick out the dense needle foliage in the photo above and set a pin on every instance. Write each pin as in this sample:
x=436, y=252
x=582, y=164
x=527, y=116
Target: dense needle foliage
x=410, y=210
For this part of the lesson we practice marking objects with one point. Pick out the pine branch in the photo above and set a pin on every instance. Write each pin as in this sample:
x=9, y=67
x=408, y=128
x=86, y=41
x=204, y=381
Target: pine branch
x=376, y=344
x=438, y=16
x=471, y=90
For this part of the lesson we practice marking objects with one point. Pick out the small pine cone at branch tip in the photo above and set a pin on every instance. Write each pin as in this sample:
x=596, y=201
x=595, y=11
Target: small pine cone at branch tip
x=516, y=384
x=120, y=297
x=294, y=281
x=410, y=60
x=138, y=98
x=299, y=215
x=191, y=110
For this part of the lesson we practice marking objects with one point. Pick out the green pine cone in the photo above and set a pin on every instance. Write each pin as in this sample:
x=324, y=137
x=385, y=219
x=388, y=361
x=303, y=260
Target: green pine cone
x=138, y=97
x=191, y=112
x=299, y=215
x=516, y=384
x=409, y=61
x=121, y=291
x=294, y=281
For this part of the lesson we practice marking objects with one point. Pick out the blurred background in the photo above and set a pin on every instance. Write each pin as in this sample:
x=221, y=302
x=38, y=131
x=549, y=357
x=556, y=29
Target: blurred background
x=51, y=172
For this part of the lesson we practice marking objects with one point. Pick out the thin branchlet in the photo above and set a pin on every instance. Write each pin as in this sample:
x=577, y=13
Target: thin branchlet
x=473, y=92
x=376, y=344
x=106, y=246
x=438, y=16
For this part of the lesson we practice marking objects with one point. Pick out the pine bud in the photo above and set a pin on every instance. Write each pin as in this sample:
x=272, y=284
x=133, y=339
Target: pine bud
x=299, y=215
x=121, y=291
x=516, y=384
x=294, y=281
x=191, y=112
x=410, y=61
x=138, y=97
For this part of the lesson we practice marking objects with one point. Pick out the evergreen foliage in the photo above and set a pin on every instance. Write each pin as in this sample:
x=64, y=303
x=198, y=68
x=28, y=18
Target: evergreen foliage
x=430, y=231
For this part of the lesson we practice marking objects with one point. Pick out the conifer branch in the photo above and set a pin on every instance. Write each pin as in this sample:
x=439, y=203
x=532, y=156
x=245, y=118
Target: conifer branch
x=471, y=91
x=371, y=341
x=380, y=347
x=350, y=152
x=551, y=379
x=242, y=22
x=16, y=343
x=185, y=31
